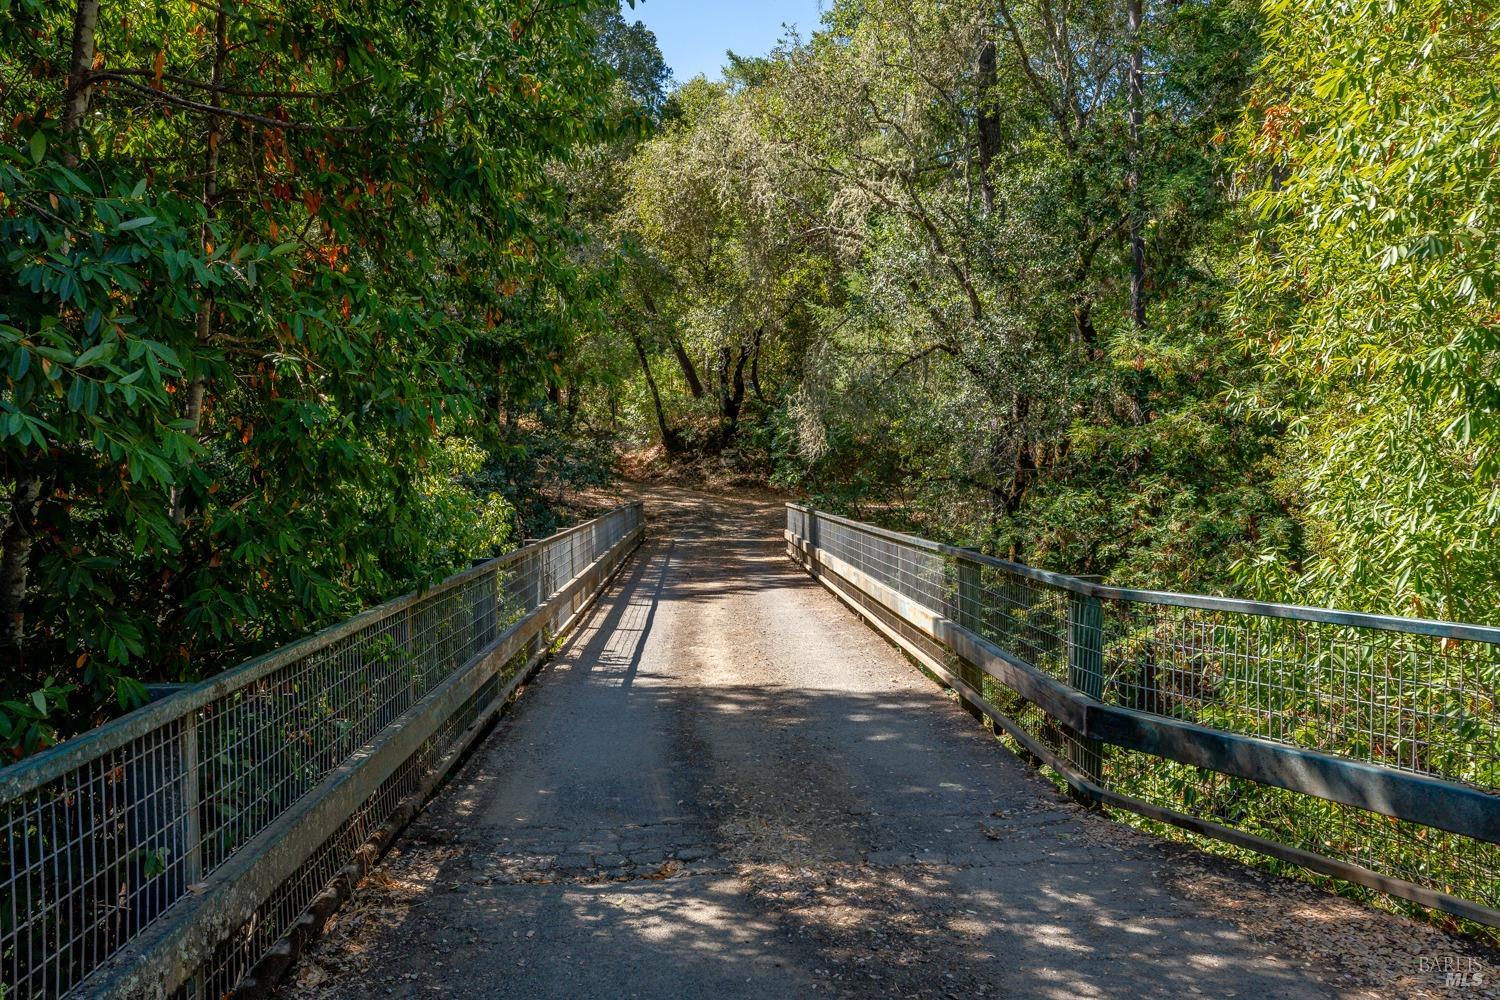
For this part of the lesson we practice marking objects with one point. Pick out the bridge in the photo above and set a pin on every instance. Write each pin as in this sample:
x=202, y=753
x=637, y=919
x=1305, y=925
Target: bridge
x=739, y=748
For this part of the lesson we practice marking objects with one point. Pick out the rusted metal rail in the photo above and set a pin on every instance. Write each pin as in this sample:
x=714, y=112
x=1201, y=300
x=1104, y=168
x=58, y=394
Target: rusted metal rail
x=187, y=849
x=1362, y=747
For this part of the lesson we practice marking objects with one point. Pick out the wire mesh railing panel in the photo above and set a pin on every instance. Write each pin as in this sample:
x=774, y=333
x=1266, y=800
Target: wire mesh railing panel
x=1406, y=696
x=95, y=855
x=916, y=574
x=1462, y=867
x=798, y=521
x=1420, y=703
x=1024, y=617
x=103, y=835
x=236, y=957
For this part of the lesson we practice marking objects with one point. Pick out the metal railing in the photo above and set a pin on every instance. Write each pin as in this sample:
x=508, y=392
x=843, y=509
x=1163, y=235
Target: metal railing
x=1363, y=747
x=172, y=851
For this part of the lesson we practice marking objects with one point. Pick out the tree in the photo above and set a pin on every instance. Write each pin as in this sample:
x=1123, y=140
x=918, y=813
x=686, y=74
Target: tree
x=730, y=262
x=255, y=255
x=1369, y=298
x=983, y=363
x=629, y=49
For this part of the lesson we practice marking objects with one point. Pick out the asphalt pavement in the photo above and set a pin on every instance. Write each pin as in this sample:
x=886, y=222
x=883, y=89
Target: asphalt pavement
x=726, y=785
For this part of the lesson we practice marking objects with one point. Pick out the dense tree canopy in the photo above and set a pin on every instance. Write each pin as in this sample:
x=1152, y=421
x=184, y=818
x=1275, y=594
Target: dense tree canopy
x=274, y=275
x=1371, y=300
x=1194, y=295
x=921, y=218
x=303, y=303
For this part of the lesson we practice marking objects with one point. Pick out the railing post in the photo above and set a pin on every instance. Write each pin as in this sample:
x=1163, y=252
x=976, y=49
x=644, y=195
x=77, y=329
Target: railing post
x=192, y=833
x=191, y=795
x=539, y=595
x=970, y=607
x=1086, y=670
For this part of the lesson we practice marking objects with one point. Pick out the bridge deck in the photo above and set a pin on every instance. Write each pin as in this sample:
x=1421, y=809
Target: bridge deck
x=727, y=786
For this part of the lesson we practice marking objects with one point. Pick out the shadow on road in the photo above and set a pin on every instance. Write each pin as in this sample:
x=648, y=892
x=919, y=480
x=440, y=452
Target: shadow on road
x=727, y=786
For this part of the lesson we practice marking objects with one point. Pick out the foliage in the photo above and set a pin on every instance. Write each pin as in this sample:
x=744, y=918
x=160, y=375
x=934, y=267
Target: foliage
x=304, y=303
x=926, y=208
x=920, y=223
x=270, y=280
x=729, y=263
x=1371, y=300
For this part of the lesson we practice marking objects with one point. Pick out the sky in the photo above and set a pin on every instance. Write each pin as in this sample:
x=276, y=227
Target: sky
x=693, y=34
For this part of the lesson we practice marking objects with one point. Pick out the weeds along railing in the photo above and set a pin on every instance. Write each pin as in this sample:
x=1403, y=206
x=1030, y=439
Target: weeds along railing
x=1362, y=747
x=187, y=848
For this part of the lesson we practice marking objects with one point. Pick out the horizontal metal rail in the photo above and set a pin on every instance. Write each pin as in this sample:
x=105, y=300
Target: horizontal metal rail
x=1336, y=731
x=1167, y=598
x=168, y=852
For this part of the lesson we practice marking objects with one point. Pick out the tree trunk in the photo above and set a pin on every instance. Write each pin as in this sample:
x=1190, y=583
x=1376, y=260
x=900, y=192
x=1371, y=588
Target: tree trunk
x=989, y=124
x=198, y=388
x=731, y=392
x=1084, y=331
x=755, y=368
x=738, y=396
x=1137, y=199
x=1023, y=465
x=689, y=371
x=15, y=544
x=80, y=73
x=695, y=384
x=575, y=399
x=669, y=437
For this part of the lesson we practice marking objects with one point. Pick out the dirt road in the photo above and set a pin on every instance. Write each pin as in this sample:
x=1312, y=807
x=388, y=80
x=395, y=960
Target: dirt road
x=727, y=786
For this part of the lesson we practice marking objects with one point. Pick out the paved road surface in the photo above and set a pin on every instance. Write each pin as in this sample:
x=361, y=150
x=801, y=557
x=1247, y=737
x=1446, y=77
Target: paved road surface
x=727, y=786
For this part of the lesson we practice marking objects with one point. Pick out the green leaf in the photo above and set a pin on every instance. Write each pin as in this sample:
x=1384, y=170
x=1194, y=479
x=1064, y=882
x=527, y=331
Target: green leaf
x=38, y=147
x=97, y=353
x=137, y=223
x=78, y=183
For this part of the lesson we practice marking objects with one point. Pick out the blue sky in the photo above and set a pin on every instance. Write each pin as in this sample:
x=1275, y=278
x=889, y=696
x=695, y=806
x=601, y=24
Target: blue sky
x=693, y=34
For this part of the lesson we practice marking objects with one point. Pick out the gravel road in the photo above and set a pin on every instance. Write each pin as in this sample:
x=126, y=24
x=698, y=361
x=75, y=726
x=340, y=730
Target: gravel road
x=727, y=786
